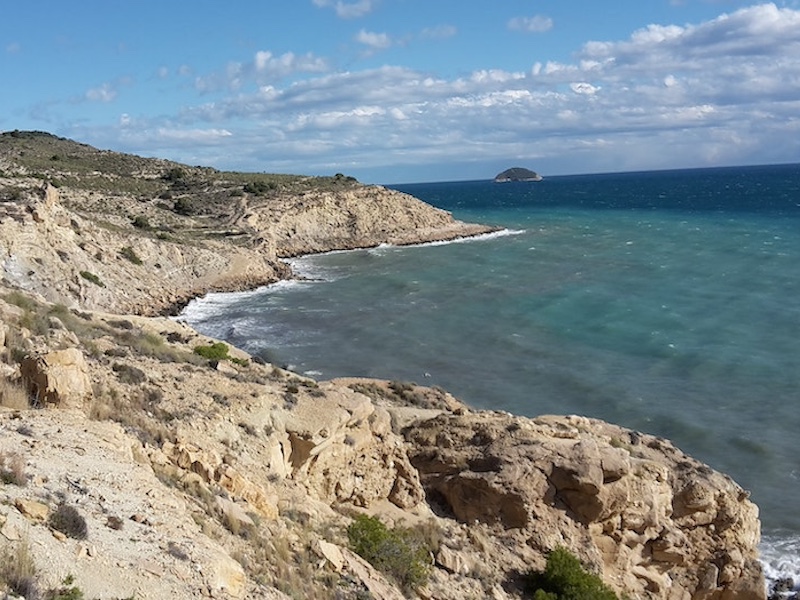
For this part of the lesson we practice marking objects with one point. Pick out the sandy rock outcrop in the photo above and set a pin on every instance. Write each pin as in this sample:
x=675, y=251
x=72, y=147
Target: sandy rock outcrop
x=653, y=521
x=59, y=378
x=76, y=259
x=67, y=258
x=342, y=447
x=360, y=217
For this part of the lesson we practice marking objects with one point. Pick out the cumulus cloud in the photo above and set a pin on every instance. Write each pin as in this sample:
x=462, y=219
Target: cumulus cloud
x=726, y=90
x=348, y=10
x=534, y=24
x=264, y=67
x=375, y=41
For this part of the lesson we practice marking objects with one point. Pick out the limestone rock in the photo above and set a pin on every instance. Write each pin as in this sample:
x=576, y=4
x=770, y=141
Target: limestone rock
x=343, y=449
x=36, y=511
x=58, y=378
x=651, y=519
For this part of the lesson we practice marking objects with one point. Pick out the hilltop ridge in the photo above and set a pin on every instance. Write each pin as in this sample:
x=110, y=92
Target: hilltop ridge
x=141, y=459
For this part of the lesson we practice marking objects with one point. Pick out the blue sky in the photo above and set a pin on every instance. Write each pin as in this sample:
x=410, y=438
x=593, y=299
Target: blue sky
x=394, y=91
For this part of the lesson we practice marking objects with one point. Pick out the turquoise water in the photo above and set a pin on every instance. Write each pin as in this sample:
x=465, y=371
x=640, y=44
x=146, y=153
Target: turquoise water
x=666, y=302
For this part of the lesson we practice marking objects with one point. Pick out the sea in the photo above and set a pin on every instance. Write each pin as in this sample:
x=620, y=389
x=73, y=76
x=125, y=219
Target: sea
x=665, y=301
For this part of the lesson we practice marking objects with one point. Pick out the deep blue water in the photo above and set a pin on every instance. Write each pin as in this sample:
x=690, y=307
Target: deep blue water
x=668, y=302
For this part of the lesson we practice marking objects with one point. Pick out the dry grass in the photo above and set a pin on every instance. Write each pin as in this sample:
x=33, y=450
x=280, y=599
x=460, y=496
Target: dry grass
x=18, y=570
x=12, y=469
x=13, y=395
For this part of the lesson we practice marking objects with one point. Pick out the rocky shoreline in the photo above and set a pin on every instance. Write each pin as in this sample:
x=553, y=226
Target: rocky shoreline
x=200, y=471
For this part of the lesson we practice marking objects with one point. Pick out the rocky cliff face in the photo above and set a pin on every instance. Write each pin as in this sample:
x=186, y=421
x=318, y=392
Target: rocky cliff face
x=654, y=521
x=230, y=478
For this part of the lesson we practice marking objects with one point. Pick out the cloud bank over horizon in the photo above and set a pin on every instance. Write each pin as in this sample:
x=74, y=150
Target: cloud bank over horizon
x=722, y=91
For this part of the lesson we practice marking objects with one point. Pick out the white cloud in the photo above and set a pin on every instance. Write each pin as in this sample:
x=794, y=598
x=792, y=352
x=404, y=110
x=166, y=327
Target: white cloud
x=348, y=10
x=103, y=93
x=264, y=67
x=723, y=91
x=586, y=89
x=14, y=48
x=439, y=33
x=535, y=24
x=376, y=41
x=202, y=136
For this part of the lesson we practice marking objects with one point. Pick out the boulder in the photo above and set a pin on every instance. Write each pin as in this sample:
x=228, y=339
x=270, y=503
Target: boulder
x=342, y=448
x=59, y=378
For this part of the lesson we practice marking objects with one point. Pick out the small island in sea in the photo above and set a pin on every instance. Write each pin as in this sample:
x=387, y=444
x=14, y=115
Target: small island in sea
x=517, y=174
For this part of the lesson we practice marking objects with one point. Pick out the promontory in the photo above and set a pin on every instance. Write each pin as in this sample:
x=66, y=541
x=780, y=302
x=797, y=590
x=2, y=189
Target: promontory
x=141, y=459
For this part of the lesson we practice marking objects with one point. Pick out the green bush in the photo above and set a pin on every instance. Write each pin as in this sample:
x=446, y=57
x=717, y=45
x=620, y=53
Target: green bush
x=66, y=591
x=130, y=254
x=141, y=222
x=93, y=278
x=174, y=174
x=183, y=206
x=215, y=351
x=397, y=553
x=564, y=578
x=259, y=187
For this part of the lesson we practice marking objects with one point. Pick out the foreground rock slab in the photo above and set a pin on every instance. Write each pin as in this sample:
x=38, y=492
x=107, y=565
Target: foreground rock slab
x=655, y=522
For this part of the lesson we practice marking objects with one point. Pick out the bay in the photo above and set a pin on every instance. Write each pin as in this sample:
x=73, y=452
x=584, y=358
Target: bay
x=668, y=302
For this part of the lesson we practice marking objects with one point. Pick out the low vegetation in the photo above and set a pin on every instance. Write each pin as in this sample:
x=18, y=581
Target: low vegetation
x=19, y=574
x=88, y=276
x=129, y=253
x=218, y=351
x=564, y=578
x=18, y=570
x=69, y=521
x=12, y=469
x=398, y=553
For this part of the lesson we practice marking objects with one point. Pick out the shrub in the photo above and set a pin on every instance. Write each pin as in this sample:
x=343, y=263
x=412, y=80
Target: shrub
x=183, y=206
x=93, y=278
x=259, y=187
x=564, y=578
x=215, y=351
x=69, y=521
x=397, y=553
x=129, y=374
x=12, y=469
x=13, y=395
x=141, y=222
x=219, y=351
x=67, y=591
x=129, y=253
x=18, y=570
x=174, y=174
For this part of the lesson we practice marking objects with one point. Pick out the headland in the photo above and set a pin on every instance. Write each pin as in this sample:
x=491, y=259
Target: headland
x=197, y=470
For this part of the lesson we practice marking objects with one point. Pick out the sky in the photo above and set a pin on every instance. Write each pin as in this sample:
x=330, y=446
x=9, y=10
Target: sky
x=400, y=91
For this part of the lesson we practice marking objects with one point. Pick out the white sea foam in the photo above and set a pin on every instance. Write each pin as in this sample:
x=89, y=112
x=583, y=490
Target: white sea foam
x=215, y=303
x=475, y=238
x=780, y=556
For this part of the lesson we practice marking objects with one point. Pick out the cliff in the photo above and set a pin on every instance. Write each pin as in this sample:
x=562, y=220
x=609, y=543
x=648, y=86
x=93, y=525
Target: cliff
x=192, y=469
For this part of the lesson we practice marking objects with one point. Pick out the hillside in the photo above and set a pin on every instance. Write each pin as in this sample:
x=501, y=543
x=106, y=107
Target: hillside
x=140, y=459
x=149, y=233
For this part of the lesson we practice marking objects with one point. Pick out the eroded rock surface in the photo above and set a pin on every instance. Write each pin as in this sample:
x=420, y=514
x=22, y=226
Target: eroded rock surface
x=654, y=521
